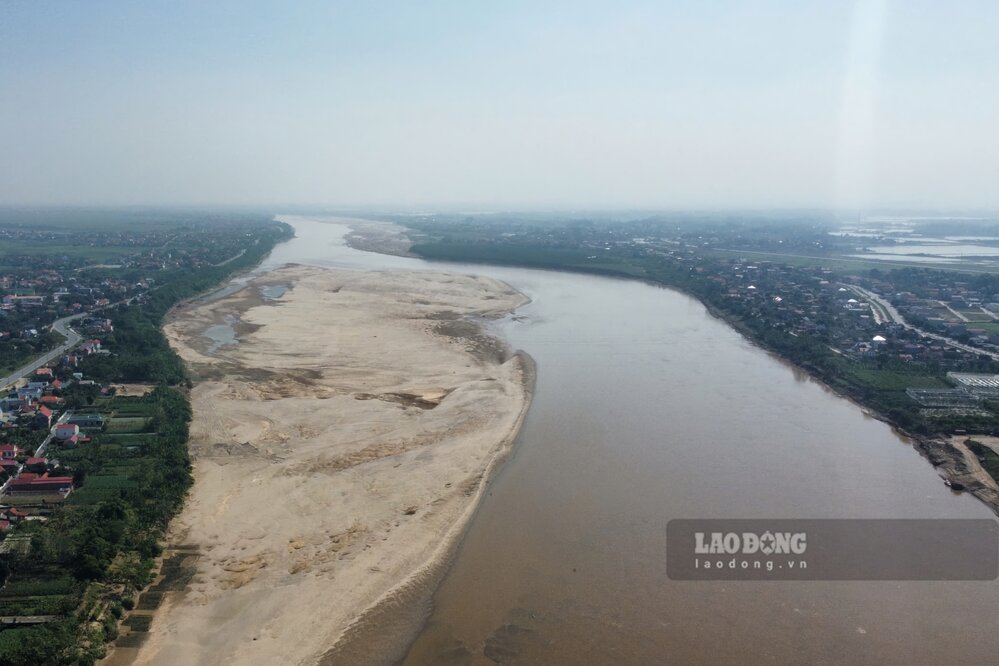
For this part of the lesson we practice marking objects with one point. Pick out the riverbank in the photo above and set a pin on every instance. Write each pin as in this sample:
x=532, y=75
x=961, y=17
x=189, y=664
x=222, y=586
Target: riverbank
x=948, y=456
x=948, y=460
x=345, y=425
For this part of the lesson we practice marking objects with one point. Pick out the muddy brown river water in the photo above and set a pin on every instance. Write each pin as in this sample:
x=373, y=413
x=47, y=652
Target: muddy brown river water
x=647, y=408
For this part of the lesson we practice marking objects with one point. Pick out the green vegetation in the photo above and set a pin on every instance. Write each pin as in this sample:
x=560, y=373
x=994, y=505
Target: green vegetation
x=17, y=353
x=126, y=424
x=98, y=547
x=88, y=253
x=555, y=258
x=894, y=380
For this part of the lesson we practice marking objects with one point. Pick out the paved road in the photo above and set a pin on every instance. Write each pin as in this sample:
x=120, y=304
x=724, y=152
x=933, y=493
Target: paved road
x=60, y=326
x=896, y=316
x=73, y=338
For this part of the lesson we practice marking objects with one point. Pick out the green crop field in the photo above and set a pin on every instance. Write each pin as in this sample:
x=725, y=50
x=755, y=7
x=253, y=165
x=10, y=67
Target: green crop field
x=62, y=585
x=896, y=381
x=121, y=425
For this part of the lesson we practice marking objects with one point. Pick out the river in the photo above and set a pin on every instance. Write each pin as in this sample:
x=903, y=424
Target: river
x=648, y=408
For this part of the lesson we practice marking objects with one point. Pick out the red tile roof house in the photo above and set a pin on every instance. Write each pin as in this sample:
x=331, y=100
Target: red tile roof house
x=32, y=484
x=10, y=466
x=43, y=418
x=66, y=430
x=9, y=451
x=13, y=514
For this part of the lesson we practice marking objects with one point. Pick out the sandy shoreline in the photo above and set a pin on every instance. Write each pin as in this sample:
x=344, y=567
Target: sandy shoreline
x=340, y=448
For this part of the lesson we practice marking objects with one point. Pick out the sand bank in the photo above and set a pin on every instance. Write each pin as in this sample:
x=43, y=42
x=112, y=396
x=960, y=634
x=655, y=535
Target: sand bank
x=340, y=446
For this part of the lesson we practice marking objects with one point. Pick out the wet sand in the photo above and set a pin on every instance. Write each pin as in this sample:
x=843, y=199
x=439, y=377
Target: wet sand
x=340, y=447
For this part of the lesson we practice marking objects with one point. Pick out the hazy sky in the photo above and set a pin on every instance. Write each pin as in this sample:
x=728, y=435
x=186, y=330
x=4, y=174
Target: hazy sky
x=501, y=104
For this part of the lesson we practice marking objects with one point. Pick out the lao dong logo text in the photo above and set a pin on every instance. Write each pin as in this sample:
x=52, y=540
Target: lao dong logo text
x=755, y=547
x=832, y=549
x=749, y=543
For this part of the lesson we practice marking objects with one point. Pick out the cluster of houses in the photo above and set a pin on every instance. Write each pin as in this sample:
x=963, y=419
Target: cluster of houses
x=29, y=303
x=953, y=317
x=36, y=400
x=28, y=477
x=65, y=294
x=35, y=405
x=948, y=305
x=32, y=404
x=32, y=476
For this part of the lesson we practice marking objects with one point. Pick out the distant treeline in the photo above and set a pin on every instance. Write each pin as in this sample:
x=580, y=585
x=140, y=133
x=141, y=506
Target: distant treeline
x=875, y=387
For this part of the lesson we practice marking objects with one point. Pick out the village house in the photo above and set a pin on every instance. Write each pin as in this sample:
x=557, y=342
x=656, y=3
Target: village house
x=90, y=346
x=33, y=484
x=36, y=462
x=9, y=451
x=11, y=516
x=43, y=417
x=86, y=420
x=99, y=325
x=14, y=514
x=30, y=301
x=28, y=393
x=66, y=430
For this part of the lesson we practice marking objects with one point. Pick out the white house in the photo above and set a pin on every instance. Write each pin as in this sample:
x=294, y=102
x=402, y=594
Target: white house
x=66, y=430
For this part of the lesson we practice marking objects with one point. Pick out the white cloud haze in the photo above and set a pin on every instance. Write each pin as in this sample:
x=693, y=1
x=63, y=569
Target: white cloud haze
x=502, y=105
